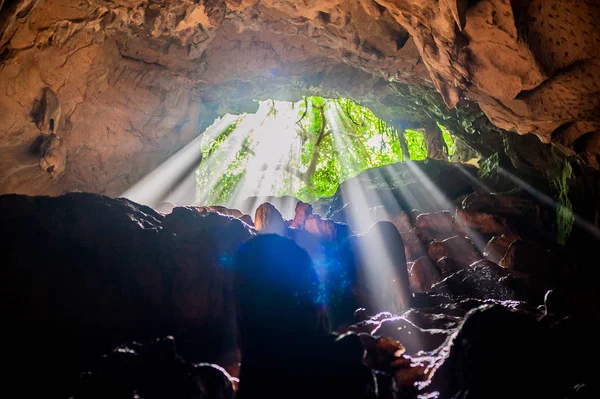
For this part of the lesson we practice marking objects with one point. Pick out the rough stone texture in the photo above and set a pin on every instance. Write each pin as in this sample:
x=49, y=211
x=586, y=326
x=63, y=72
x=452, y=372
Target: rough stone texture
x=423, y=274
x=268, y=220
x=92, y=272
x=136, y=80
x=429, y=186
x=458, y=247
x=497, y=246
x=142, y=368
x=477, y=356
x=484, y=223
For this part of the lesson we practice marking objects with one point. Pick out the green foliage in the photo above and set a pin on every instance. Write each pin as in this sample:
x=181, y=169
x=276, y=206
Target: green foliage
x=564, y=209
x=489, y=166
x=416, y=145
x=448, y=140
x=221, y=190
x=338, y=139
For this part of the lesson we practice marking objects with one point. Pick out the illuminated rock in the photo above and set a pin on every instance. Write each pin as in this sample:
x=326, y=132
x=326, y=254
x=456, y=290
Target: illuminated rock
x=458, y=247
x=268, y=220
x=423, y=274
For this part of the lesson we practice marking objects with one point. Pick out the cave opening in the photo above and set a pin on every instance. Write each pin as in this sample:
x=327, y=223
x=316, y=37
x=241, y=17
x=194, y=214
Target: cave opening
x=420, y=177
x=304, y=149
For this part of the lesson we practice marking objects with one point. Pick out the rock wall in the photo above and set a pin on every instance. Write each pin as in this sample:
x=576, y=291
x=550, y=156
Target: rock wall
x=84, y=273
x=123, y=84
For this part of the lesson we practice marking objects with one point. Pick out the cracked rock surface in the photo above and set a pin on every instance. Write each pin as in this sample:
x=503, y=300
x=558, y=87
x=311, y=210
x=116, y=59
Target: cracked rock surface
x=135, y=80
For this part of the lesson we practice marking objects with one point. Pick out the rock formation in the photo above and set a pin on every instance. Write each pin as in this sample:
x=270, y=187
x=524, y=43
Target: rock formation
x=96, y=94
x=127, y=83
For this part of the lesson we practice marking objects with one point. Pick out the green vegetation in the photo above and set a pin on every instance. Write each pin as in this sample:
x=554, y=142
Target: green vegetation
x=331, y=140
x=564, y=209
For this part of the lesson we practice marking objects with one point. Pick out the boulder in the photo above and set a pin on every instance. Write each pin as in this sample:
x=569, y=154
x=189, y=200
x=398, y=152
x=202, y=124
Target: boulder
x=399, y=187
x=531, y=258
x=198, y=248
x=439, y=223
x=303, y=211
x=268, y=220
x=497, y=247
x=492, y=340
x=382, y=267
x=229, y=212
x=423, y=274
x=286, y=205
x=413, y=338
x=414, y=245
x=448, y=265
x=501, y=204
x=152, y=370
x=481, y=222
x=93, y=272
x=403, y=222
x=324, y=228
x=459, y=248
x=486, y=280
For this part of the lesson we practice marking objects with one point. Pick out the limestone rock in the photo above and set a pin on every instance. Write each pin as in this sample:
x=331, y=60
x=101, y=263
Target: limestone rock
x=448, y=265
x=423, y=274
x=268, y=220
x=486, y=280
x=229, y=212
x=501, y=204
x=436, y=222
x=303, y=211
x=129, y=74
x=53, y=155
x=321, y=227
x=414, y=245
x=411, y=337
x=381, y=268
x=94, y=271
x=398, y=187
x=531, y=258
x=484, y=223
x=498, y=246
x=139, y=367
x=459, y=248
x=485, y=345
x=403, y=222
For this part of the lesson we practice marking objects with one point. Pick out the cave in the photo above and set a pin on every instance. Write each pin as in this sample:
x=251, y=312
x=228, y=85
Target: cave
x=129, y=229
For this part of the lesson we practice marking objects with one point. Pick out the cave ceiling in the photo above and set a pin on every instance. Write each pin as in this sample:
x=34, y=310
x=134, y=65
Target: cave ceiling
x=122, y=84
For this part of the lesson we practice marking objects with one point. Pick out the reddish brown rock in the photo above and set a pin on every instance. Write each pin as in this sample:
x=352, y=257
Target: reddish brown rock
x=268, y=220
x=320, y=227
x=188, y=62
x=531, y=258
x=448, y=265
x=403, y=223
x=459, y=248
x=414, y=245
x=502, y=204
x=411, y=337
x=435, y=225
x=303, y=211
x=438, y=319
x=104, y=270
x=381, y=268
x=484, y=223
x=423, y=275
x=53, y=155
x=498, y=246
x=222, y=210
